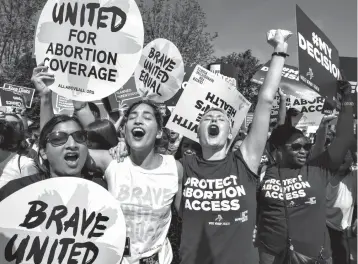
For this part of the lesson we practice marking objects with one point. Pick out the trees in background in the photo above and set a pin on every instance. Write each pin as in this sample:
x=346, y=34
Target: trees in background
x=183, y=22
x=246, y=65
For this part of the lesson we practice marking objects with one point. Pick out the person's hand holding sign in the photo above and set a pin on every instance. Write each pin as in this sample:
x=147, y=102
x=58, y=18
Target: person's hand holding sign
x=42, y=79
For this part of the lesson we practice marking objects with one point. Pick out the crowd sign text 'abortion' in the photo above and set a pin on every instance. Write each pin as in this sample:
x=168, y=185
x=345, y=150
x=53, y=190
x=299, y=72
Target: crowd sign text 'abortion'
x=92, y=47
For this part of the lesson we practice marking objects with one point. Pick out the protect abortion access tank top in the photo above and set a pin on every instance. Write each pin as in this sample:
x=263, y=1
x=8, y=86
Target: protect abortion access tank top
x=146, y=197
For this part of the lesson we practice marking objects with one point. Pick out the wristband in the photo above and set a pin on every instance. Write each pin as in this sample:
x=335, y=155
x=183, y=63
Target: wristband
x=82, y=106
x=281, y=54
x=348, y=103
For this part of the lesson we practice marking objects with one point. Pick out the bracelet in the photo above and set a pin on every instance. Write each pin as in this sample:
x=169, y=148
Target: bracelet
x=348, y=103
x=281, y=54
x=82, y=106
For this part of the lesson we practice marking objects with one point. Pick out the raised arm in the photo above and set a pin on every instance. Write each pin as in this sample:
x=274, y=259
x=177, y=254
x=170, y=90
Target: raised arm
x=344, y=129
x=254, y=144
x=282, y=108
x=41, y=80
x=98, y=159
x=321, y=135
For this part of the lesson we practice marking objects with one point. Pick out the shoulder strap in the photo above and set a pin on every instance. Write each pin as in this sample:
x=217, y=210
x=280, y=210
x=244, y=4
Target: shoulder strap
x=287, y=216
x=285, y=206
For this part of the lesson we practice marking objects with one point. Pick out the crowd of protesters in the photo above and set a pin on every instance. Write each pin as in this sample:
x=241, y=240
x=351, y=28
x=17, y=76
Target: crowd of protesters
x=291, y=193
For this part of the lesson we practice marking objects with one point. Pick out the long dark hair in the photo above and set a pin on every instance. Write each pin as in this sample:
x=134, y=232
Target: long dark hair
x=13, y=138
x=46, y=130
x=103, y=133
x=13, y=135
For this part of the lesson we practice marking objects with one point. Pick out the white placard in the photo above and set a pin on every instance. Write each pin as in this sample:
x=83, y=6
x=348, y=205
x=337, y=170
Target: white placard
x=206, y=90
x=91, y=46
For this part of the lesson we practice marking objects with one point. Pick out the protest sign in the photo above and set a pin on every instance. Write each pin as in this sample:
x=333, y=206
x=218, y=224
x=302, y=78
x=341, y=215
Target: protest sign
x=289, y=84
x=227, y=71
x=92, y=47
x=12, y=99
x=27, y=93
x=126, y=95
x=318, y=58
x=311, y=111
x=61, y=220
x=248, y=119
x=188, y=70
x=62, y=105
x=206, y=90
x=160, y=72
x=276, y=106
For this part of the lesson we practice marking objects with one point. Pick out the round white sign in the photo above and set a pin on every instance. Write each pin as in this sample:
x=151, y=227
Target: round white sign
x=91, y=46
x=61, y=220
x=160, y=72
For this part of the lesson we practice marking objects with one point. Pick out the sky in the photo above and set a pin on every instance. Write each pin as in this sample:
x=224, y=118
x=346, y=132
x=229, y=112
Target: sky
x=242, y=24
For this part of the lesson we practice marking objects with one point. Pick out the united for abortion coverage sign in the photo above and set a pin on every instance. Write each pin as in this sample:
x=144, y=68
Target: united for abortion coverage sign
x=205, y=90
x=61, y=220
x=318, y=58
x=160, y=72
x=290, y=83
x=92, y=46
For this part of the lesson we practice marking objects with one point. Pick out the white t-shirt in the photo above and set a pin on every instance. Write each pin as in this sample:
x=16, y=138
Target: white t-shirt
x=341, y=199
x=11, y=168
x=146, y=197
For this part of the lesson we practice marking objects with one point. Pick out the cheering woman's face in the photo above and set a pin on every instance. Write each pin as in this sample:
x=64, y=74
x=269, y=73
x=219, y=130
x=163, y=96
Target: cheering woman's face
x=66, y=149
x=141, y=129
x=295, y=153
x=190, y=147
x=214, y=130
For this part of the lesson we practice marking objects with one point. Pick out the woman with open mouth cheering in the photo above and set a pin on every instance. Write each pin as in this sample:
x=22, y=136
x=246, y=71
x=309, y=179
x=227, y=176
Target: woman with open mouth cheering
x=63, y=150
x=145, y=183
x=292, y=200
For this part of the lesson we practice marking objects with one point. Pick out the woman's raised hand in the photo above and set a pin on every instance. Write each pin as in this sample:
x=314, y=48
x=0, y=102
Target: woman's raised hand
x=42, y=79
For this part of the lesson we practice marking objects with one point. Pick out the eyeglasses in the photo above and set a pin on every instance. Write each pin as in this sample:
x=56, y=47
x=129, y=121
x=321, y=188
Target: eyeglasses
x=298, y=146
x=60, y=138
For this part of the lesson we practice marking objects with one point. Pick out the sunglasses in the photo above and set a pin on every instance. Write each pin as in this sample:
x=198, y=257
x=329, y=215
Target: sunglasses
x=298, y=146
x=60, y=138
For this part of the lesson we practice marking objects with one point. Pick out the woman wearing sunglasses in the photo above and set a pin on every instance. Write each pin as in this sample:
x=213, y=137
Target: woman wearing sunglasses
x=292, y=197
x=63, y=150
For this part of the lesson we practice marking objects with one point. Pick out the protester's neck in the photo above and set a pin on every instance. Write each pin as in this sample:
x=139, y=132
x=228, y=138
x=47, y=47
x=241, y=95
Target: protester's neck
x=55, y=175
x=144, y=159
x=214, y=154
x=4, y=154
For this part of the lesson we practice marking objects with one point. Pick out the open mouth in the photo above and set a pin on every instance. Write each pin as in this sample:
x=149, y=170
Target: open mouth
x=71, y=158
x=138, y=132
x=213, y=130
x=301, y=159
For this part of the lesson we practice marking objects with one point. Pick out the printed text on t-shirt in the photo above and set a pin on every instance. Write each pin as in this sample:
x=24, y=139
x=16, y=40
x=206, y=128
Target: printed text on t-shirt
x=213, y=194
